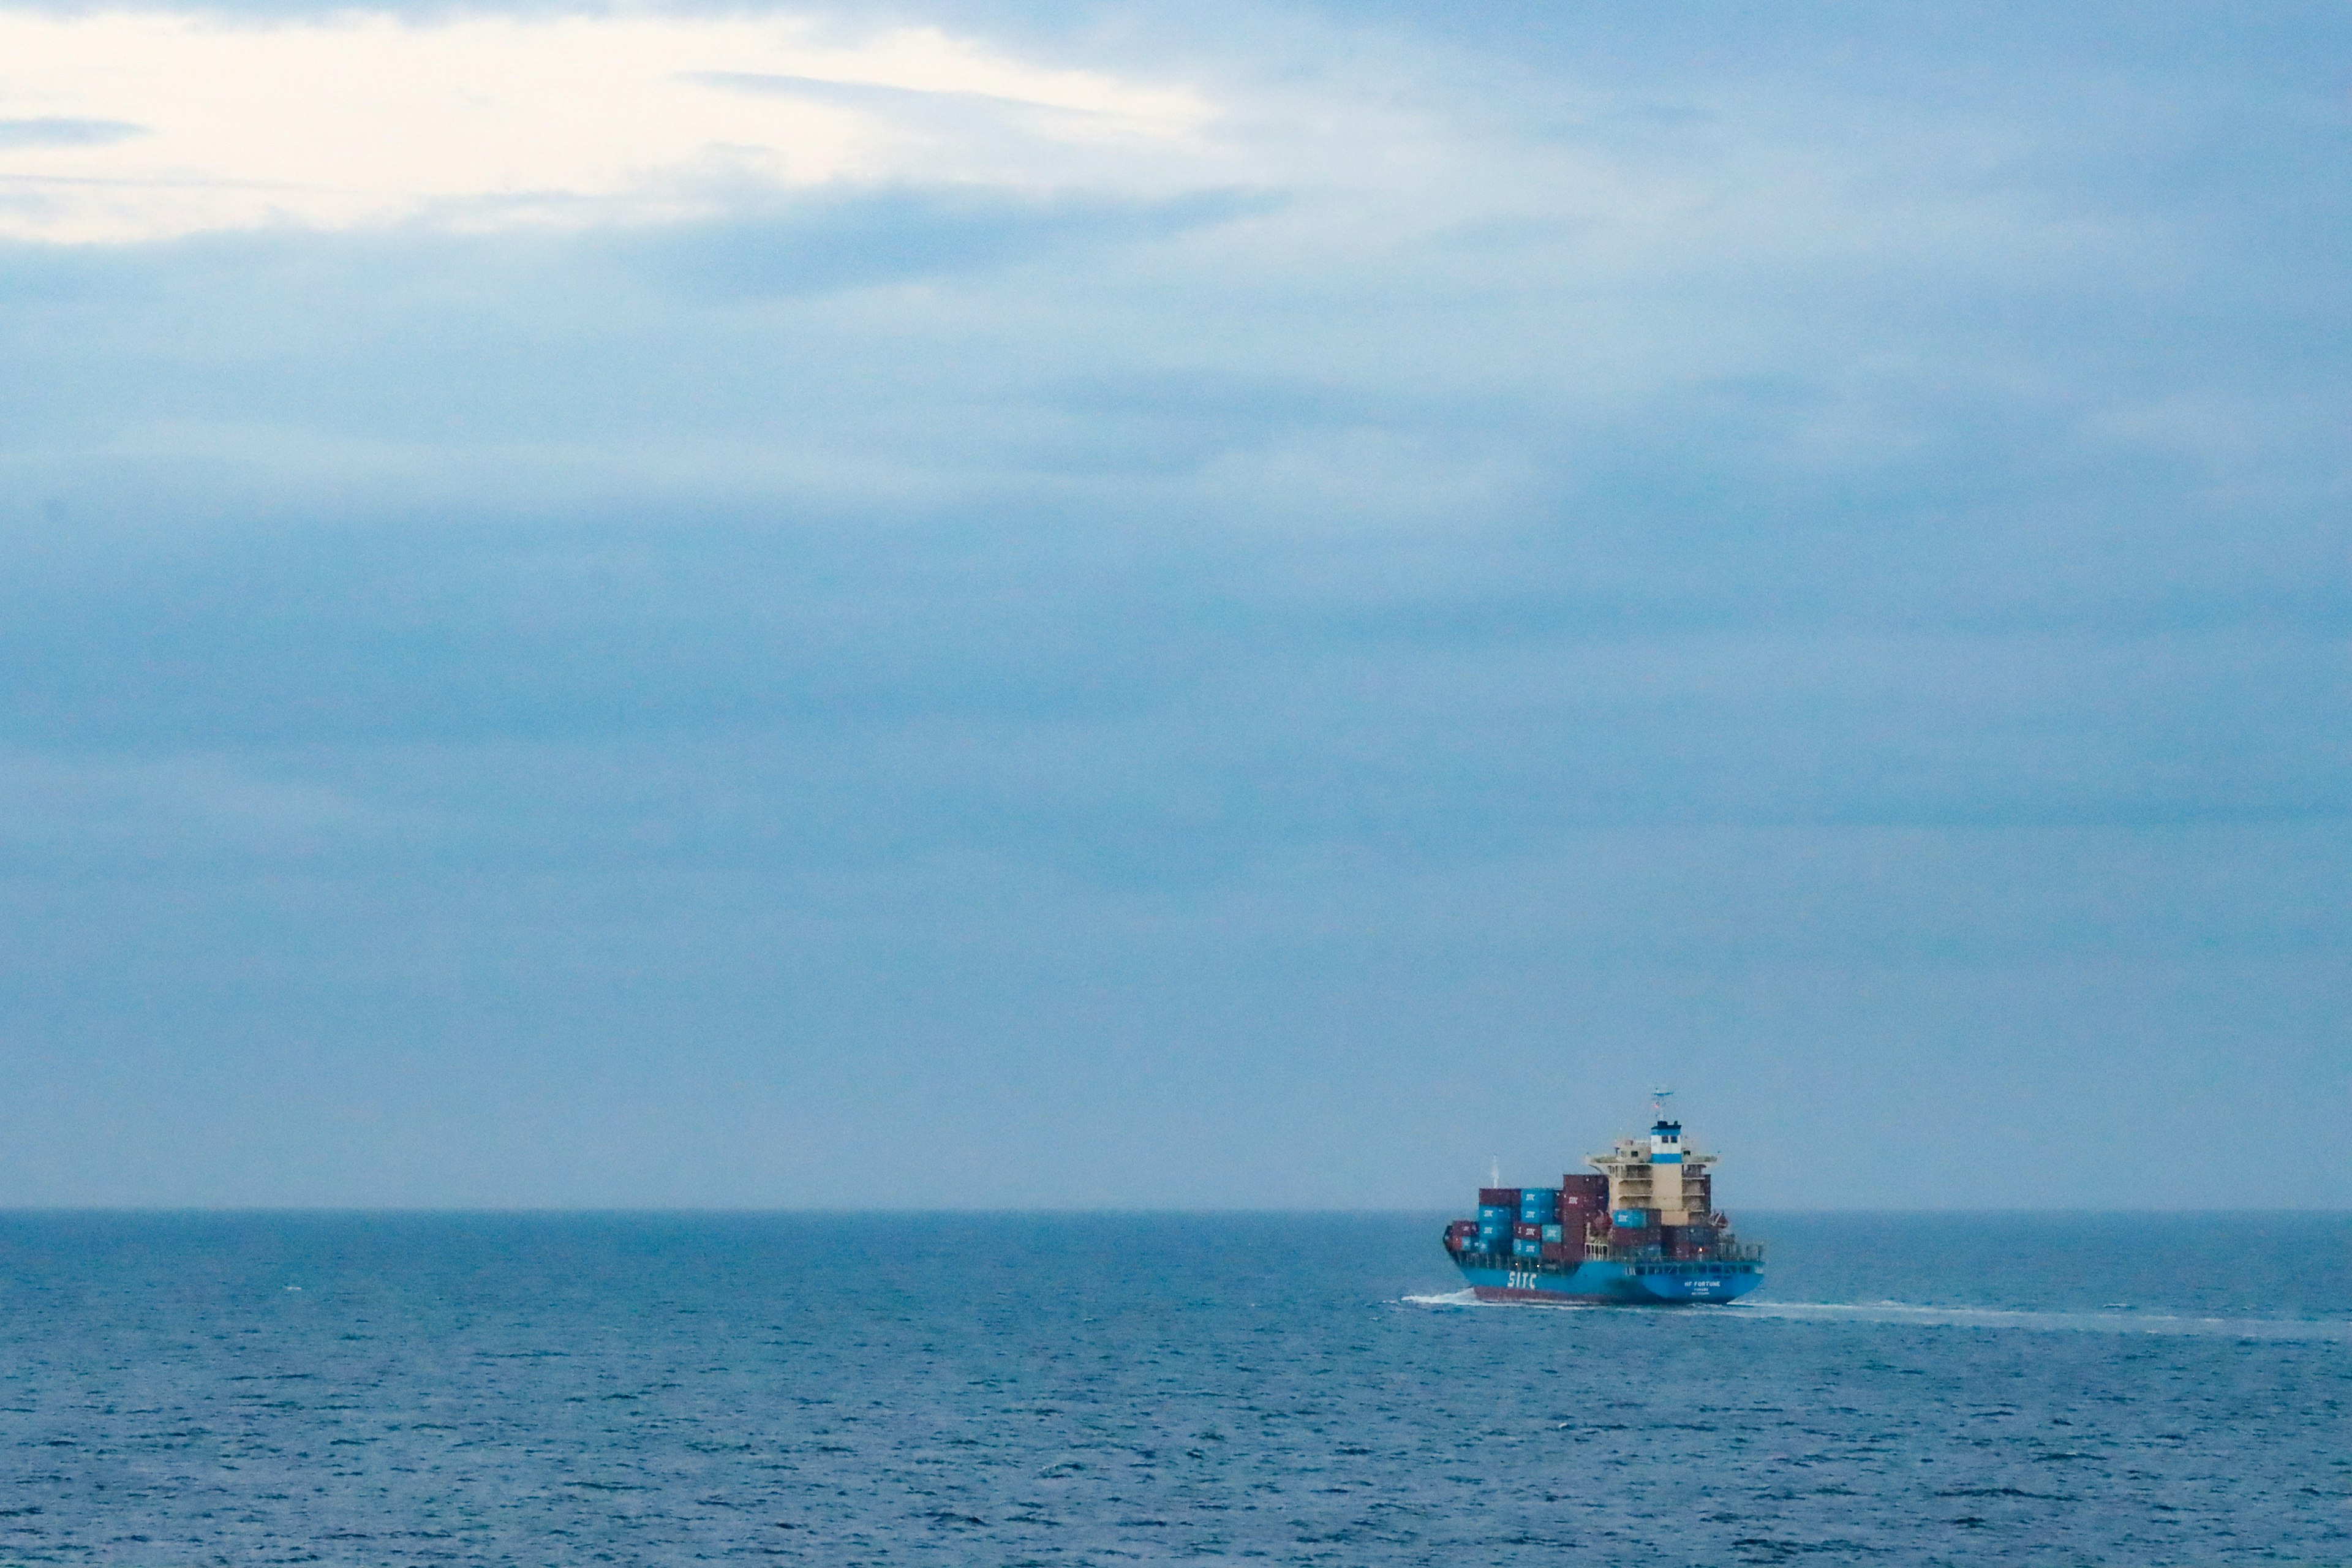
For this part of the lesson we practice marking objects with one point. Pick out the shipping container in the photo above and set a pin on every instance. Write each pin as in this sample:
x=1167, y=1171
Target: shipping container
x=1528, y=1232
x=1555, y=1233
x=1633, y=1235
x=1527, y=1249
x=1589, y=1187
x=1636, y=1217
x=1499, y=1197
x=1563, y=1252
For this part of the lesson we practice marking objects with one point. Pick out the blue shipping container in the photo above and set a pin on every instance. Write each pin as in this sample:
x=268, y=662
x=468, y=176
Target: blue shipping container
x=1555, y=1233
x=1527, y=1249
x=1495, y=1212
x=1633, y=1219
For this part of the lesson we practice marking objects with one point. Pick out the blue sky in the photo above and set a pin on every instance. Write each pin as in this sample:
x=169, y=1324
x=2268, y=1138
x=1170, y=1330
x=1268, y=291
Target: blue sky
x=1003, y=605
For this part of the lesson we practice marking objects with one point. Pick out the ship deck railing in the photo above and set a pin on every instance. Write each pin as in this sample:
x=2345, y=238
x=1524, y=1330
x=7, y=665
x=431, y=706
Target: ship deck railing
x=1603, y=1253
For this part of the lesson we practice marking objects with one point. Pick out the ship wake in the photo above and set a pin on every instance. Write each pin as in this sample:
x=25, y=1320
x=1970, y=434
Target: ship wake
x=2109, y=1322
x=1468, y=1297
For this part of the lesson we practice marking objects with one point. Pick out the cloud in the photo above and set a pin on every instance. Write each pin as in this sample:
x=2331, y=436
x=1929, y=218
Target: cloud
x=213, y=806
x=55, y=132
x=1372, y=530
x=866, y=239
x=485, y=121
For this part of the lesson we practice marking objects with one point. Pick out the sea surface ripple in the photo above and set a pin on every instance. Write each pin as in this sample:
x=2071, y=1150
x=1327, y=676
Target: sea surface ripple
x=375, y=1389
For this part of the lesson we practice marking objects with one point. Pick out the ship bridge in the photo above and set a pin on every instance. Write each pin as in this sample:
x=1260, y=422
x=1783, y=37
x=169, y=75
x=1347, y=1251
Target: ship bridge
x=1661, y=1172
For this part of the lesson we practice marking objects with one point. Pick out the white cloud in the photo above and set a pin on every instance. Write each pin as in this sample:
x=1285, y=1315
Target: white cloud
x=487, y=122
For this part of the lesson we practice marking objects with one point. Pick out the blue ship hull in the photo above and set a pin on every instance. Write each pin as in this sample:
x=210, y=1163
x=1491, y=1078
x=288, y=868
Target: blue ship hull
x=1610, y=1283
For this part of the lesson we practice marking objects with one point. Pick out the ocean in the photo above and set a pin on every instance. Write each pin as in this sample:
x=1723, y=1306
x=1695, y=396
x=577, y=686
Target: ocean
x=391, y=1389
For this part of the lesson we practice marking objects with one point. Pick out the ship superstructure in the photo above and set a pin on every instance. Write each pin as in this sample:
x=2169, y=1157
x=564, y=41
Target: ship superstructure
x=1639, y=1229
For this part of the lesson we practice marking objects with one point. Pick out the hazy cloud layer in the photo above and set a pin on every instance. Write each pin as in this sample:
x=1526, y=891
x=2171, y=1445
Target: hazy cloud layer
x=1249, y=612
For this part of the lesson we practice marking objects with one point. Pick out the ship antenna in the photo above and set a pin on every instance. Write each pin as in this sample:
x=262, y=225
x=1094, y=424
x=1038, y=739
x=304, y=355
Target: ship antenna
x=1494, y=1172
x=1658, y=1098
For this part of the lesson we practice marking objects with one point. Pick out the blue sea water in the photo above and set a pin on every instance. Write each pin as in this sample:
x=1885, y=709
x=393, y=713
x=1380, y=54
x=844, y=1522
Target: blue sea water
x=1309, y=1389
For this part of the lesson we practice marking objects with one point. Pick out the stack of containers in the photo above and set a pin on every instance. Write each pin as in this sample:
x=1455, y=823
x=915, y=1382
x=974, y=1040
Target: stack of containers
x=1583, y=1205
x=1563, y=1234
x=1538, y=1211
x=1636, y=1230
x=1462, y=1235
x=1690, y=1241
x=1499, y=1210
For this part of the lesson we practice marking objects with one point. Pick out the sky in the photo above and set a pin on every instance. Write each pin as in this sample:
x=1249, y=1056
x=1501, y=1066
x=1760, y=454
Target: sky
x=999, y=605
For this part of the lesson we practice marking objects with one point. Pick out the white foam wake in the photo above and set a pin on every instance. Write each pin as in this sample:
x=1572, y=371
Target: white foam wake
x=1470, y=1298
x=2110, y=1322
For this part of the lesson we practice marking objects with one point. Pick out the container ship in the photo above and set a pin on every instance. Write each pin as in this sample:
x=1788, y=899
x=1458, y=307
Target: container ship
x=1641, y=1232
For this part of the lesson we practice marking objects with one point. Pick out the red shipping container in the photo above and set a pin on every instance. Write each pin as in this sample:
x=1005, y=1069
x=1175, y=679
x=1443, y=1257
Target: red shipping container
x=1527, y=1233
x=1590, y=1187
x=1499, y=1197
x=1563, y=1251
x=1633, y=1235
